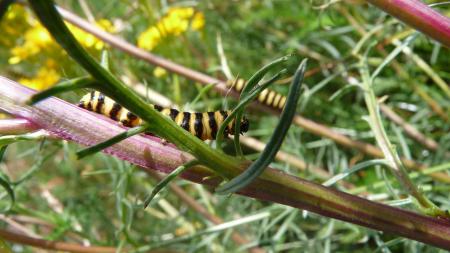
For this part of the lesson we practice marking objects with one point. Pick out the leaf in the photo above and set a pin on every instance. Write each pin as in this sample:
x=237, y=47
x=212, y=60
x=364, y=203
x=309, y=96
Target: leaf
x=72, y=84
x=252, y=82
x=7, y=186
x=118, y=138
x=274, y=144
x=167, y=180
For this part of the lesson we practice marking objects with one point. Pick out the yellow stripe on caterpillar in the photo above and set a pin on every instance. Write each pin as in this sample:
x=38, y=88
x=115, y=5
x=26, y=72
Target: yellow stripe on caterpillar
x=204, y=125
x=268, y=97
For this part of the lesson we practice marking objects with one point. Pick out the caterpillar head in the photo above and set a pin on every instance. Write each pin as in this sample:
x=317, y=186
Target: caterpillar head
x=244, y=125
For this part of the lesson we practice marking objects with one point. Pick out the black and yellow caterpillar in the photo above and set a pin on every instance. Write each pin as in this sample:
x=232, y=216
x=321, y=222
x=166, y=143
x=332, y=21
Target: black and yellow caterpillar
x=268, y=97
x=204, y=125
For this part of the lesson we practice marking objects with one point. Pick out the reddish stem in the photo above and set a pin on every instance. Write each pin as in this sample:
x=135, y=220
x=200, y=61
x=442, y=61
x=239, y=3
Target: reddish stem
x=73, y=123
x=419, y=16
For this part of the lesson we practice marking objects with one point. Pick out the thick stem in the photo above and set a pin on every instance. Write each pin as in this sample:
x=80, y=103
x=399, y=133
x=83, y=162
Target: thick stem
x=15, y=126
x=418, y=15
x=73, y=123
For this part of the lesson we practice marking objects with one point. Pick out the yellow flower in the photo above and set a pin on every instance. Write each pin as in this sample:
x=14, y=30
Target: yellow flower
x=149, y=39
x=159, y=72
x=35, y=44
x=13, y=24
x=88, y=40
x=175, y=22
x=198, y=21
x=37, y=39
x=106, y=25
x=46, y=77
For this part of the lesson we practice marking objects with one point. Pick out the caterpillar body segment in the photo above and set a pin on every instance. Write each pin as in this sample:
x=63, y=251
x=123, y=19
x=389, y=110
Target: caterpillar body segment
x=204, y=125
x=267, y=96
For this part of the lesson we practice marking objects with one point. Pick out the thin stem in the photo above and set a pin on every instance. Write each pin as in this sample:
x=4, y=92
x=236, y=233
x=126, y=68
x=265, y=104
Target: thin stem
x=390, y=154
x=52, y=245
x=409, y=129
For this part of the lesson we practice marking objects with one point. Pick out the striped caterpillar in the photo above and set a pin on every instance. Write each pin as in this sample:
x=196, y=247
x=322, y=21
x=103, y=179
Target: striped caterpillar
x=268, y=97
x=204, y=125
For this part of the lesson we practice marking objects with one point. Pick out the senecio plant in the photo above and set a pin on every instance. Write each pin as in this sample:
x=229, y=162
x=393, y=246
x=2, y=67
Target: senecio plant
x=196, y=161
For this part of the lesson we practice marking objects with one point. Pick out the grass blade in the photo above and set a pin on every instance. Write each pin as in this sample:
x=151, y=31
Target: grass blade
x=352, y=170
x=202, y=92
x=7, y=186
x=2, y=152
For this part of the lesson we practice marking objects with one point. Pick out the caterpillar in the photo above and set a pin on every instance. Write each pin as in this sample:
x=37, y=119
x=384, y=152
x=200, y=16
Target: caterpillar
x=204, y=125
x=268, y=97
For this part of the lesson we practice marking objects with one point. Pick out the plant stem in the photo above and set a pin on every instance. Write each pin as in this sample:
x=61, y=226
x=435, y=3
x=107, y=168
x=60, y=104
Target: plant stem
x=390, y=154
x=418, y=15
x=53, y=245
x=73, y=123
x=15, y=126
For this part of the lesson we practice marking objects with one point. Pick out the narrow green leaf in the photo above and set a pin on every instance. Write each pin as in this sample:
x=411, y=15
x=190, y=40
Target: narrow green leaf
x=243, y=103
x=394, y=54
x=251, y=95
x=254, y=80
x=72, y=84
x=202, y=93
x=9, y=139
x=36, y=166
x=118, y=138
x=7, y=186
x=274, y=144
x=2, y=152
x=167, y=180
x=251, y=83
x=342, y=91
x=104, y=62
x=354, y=169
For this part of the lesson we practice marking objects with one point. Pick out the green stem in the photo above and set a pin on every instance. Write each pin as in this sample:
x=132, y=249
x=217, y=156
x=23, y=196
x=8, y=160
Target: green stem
x=391, y=155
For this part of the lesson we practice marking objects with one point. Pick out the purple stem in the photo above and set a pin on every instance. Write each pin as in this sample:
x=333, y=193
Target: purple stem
x=73, y=123
x=16, y=126
x=419, y=16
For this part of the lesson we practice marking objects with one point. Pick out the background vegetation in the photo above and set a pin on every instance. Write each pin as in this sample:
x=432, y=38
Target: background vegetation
x=93, y=201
